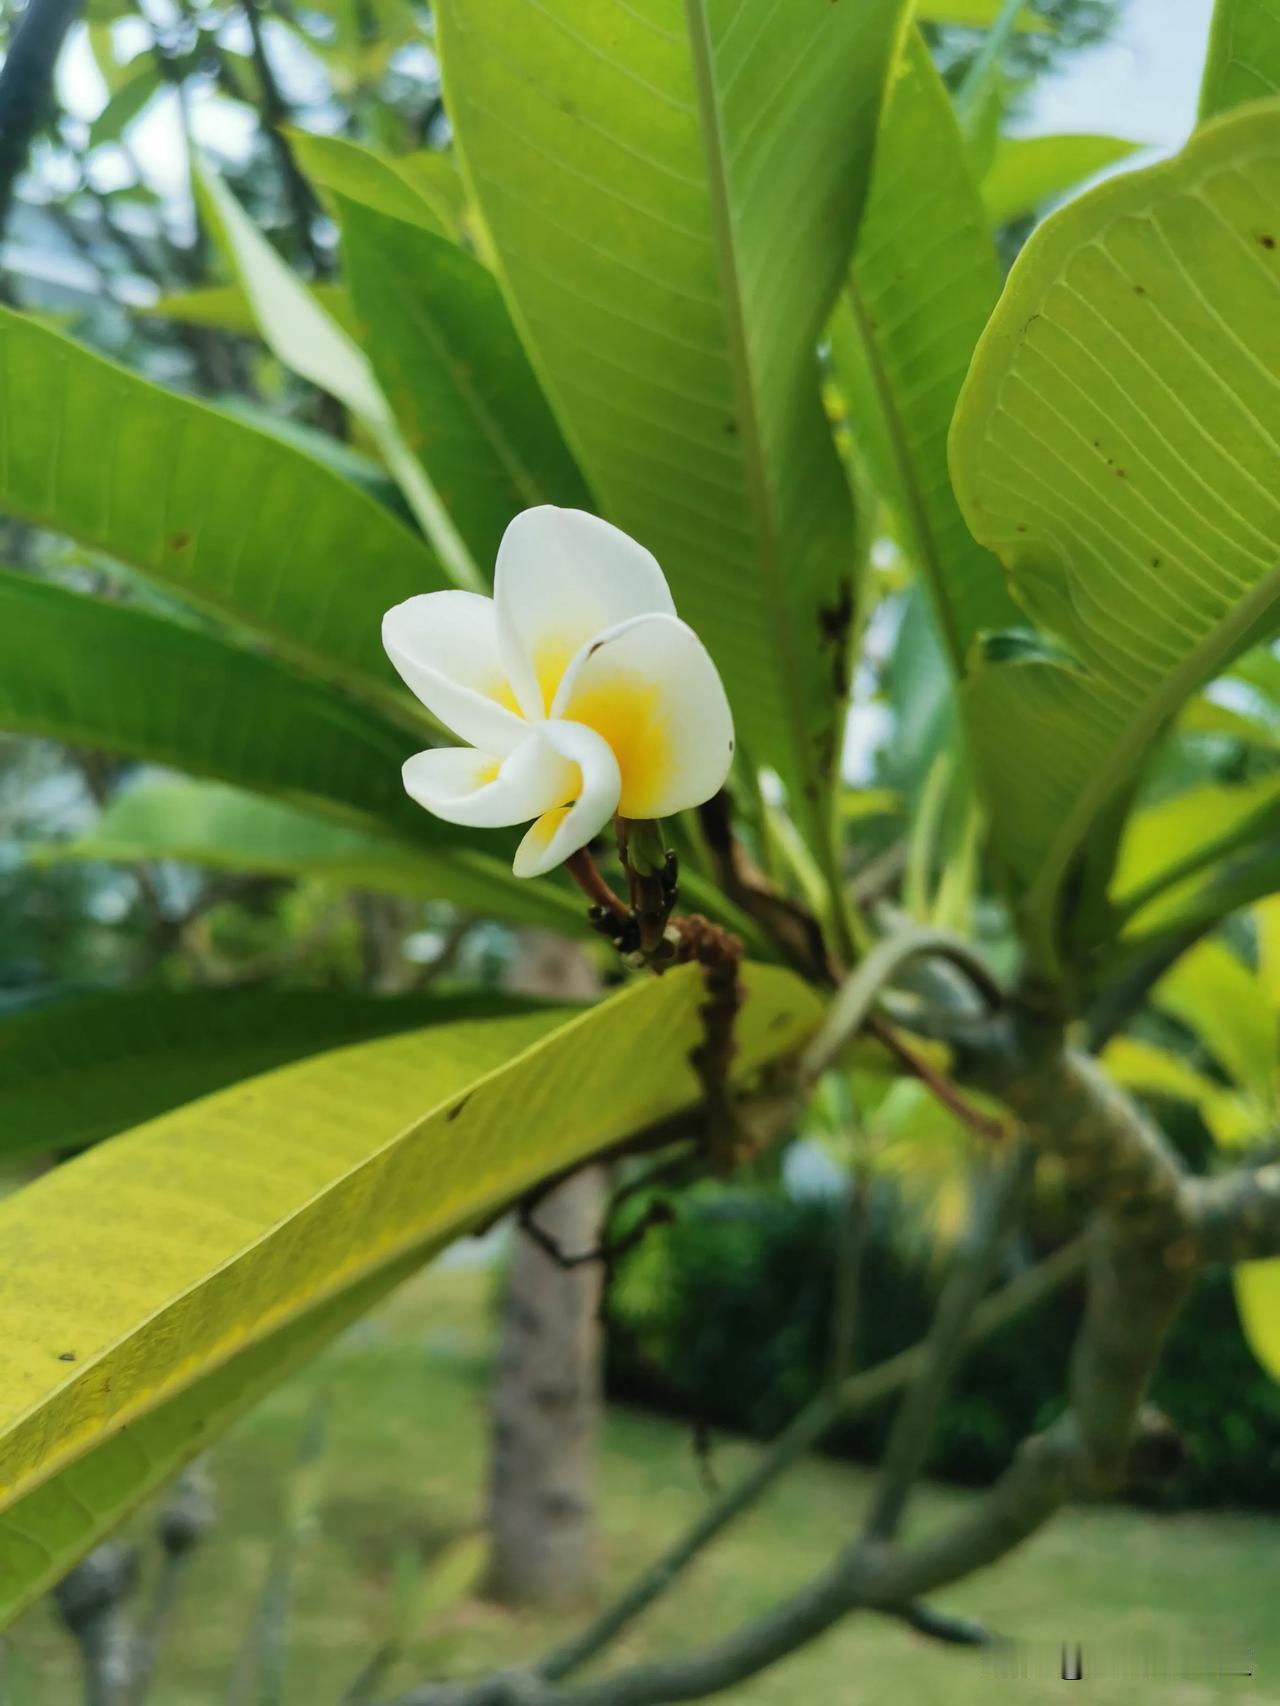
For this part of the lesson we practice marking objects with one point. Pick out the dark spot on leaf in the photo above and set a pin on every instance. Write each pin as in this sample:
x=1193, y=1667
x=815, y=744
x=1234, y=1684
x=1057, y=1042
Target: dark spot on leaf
x=778, y=1021
x=457, y=1108
x=1022, y=527
x=834, y=622
x=1120, y=474
x=1139, y=290
x=1267, y=241
x=731, y=427
x=1155, y=562
x=731, y=746
x=179, y=541
x=66, y=1356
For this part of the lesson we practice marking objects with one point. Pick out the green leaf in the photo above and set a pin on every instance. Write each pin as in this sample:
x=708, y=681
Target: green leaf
x=1204, y=901
x=1155, y=1071
x=131, y=95
x=267, y=1205
x=77, y=1071
x=1243, y=62
x=1115, y=445
x=1258, y=1300
x=1027, y=171
x=231, y=519
x=672, y=198
x=107, y=676
x=226, y=307
x=1216, y=996
x=302, y=335
x=1204, y=716
x=1167, y=846
x=922, y=287
x=221, y=828
x=384, y=182
x=454, y=372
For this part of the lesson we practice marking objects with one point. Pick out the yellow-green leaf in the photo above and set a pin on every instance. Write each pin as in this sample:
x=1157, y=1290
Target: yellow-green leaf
x=385, y=182
x=1243, y=62
x=1258, y=1300
x=183, y=1247
x=1213, y=992
x=1115, y=445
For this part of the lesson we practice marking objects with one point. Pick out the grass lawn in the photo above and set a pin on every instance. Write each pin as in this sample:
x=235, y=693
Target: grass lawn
x=403, y=1467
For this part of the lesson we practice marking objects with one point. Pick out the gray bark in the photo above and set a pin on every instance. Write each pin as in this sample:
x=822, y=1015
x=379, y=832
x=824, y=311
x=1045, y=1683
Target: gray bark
x=546, y=1389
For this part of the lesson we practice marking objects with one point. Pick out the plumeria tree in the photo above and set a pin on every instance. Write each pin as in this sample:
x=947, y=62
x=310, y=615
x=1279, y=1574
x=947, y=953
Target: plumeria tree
x=695, y=379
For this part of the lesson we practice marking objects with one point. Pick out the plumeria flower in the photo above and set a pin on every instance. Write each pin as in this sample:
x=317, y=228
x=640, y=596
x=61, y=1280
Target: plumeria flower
x=578, y=689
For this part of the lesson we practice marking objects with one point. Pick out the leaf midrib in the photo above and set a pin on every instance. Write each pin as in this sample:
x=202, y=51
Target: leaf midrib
x=759, y=495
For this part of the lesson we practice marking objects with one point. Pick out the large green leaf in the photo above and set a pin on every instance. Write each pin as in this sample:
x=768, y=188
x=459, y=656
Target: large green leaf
x=1243, y=63
x=456, y=376
x=222, y=828
x=1030, y=170
x=672, y=191
x=230, y=518
x=903, y=335
x=78, y=1070
x=108, y=676
x=1115, y=445
x=138, y=1271
x=300, y=333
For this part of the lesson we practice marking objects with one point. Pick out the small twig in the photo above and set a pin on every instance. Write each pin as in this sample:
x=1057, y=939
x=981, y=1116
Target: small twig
x=703, y=1454
x=183, y=1524
x=608, y=1251
x=853, y=1006
x=952, y=1098
x=584, y=871
x=791, y=927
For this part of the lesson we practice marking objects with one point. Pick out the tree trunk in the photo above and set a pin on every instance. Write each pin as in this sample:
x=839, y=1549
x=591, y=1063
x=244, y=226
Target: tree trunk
x=546, y=1390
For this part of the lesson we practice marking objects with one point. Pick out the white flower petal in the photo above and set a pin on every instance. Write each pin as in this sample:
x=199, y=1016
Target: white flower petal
x=563, y=831
x=461, y=785
x=650, y=689
x=562, y=577
x=445, y=646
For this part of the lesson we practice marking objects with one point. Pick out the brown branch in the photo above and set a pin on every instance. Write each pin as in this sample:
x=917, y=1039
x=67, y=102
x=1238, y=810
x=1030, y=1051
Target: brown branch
x=950, y=1095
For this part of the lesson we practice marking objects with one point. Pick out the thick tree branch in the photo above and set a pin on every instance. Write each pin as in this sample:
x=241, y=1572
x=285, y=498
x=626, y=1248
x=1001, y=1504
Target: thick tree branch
x=1237, y=1216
